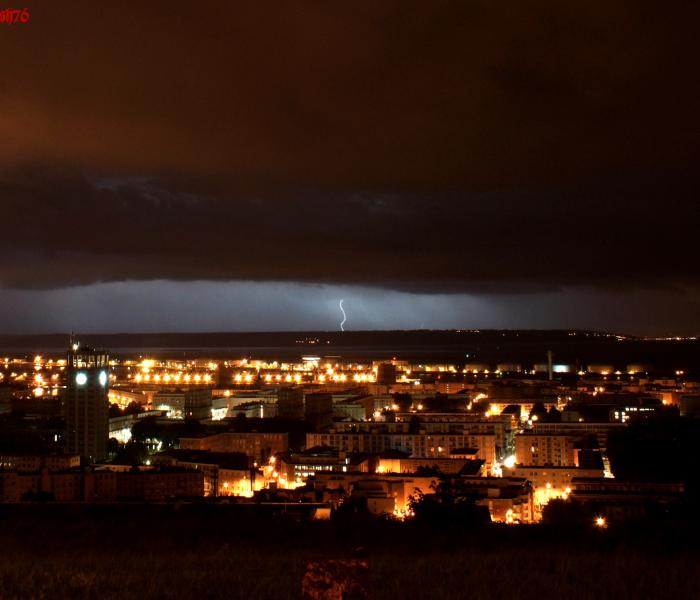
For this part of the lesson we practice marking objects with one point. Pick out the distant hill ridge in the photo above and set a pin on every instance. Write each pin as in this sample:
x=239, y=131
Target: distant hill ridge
x=419, y=337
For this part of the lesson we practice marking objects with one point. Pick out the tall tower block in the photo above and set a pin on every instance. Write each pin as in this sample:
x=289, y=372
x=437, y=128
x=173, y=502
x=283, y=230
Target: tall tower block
x=87, y=403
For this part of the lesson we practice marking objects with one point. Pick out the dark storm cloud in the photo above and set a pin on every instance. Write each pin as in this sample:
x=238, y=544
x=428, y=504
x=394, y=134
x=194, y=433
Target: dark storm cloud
x=67, y=230
x=418, y=145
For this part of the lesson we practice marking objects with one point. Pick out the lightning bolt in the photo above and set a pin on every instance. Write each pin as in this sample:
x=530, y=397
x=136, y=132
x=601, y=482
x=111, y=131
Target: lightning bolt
x=345, y=317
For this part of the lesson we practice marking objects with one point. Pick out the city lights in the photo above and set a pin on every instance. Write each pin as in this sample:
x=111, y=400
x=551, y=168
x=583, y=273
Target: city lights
x=349, y=300
x=451, y=419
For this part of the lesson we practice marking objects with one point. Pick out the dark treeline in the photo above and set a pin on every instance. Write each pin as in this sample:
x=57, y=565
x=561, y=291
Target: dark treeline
x=179, y=523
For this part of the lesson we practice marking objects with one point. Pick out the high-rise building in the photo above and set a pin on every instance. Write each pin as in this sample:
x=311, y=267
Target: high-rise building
x=86, y=402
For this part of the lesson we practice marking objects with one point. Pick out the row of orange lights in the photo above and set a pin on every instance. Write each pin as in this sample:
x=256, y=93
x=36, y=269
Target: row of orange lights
x=168, y=378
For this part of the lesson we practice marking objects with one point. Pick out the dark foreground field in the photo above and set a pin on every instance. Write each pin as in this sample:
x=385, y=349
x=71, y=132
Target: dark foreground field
x=163, y=552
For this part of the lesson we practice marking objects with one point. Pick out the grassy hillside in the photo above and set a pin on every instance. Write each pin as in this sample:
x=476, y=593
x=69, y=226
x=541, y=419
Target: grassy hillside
x=161, y=552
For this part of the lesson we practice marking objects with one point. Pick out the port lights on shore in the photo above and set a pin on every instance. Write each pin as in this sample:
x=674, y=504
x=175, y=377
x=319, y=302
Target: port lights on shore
x=600, y=522
x=81, y=378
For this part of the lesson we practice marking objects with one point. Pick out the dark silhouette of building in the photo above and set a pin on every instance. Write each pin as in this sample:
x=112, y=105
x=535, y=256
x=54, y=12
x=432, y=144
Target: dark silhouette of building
x=290, y=403
x=318, y=410
x=5, y=399
x=386, y=374
x=86, y=402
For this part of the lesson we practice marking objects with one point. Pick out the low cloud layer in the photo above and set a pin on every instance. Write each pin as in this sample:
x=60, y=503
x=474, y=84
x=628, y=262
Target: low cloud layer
x=162, y=306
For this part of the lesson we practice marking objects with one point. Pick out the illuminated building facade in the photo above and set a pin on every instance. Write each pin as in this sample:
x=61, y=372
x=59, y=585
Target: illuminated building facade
x=86, y=403
x=384, y=493
x=397, y=462
x=225, y=473
x=257, y=445
x=549, y=483
x=545, y=449
x=415, y=445
x=619, y=500
x=191, y=403
x=579, y=429
x=29, y=462
x=297, y=466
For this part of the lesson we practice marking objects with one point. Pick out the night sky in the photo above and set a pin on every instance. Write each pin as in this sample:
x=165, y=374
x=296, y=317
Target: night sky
x=180, y=166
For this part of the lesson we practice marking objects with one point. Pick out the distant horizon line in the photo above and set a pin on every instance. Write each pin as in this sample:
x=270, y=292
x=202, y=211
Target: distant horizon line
x=351, y=332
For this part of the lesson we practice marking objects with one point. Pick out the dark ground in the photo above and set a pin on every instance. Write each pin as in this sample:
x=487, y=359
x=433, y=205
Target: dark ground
x=185, y=551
